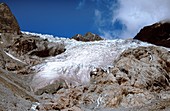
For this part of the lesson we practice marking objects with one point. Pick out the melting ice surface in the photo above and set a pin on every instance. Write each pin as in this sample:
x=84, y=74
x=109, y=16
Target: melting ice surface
x=79, y=59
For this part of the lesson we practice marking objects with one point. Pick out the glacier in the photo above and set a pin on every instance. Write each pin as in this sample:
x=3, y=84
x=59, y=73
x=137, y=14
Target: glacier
x=79, y=59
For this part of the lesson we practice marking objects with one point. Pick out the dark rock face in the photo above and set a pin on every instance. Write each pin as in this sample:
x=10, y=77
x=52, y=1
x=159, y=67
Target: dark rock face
x=8, y=23
x=158, y=34
x=87, y=37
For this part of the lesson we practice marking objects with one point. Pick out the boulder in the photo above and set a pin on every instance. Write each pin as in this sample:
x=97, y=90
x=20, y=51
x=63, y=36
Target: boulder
x=158, y=34
x=52, y=88
x=8, y=23
x=87, y=37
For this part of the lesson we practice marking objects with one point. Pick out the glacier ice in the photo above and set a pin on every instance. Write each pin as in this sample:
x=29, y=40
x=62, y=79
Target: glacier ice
x=79, y=59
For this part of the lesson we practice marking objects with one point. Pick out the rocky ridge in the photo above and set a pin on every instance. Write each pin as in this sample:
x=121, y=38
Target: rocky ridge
x=158, y=34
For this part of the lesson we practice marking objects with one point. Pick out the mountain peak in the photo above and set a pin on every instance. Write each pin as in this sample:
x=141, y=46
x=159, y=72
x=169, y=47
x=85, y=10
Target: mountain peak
x=89, y=36
x=8, y=23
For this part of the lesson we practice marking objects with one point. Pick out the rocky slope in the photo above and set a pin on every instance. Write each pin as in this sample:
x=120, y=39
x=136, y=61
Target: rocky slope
x=158, y=34
x=43, y=73
x=18, y=53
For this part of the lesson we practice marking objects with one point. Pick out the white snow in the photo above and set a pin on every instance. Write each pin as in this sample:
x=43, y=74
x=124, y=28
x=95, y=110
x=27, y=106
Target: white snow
x=79, y=35
x=34, y=106
x=79, y=59
x=165, y=21
x=11, y=56
x=50, y=38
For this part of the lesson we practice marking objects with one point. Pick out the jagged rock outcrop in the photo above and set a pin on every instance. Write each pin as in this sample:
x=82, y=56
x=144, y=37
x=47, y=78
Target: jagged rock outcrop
x=8, y=23
x=158, y=34
x=87, y=37
x=140, y=76
x=145, y=67
x=36, y=46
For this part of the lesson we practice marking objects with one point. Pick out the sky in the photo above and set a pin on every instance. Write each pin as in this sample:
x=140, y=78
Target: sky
x=108, y=18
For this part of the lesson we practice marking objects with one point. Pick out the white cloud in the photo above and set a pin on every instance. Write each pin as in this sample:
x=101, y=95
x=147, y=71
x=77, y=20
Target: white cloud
x=135, y=14
x=106, y=34
x=81, y=4
x=98, y=19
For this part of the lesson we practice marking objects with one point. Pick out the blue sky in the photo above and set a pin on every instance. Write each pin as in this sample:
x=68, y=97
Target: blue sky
x=57, y=17
x=108, y=18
